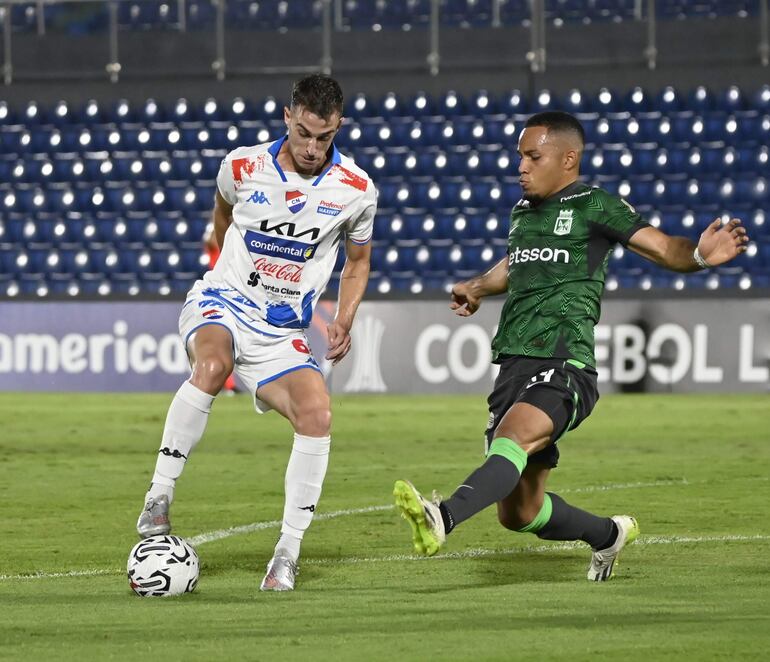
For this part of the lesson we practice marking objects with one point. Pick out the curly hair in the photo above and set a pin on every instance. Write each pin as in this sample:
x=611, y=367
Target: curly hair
x=319, y=94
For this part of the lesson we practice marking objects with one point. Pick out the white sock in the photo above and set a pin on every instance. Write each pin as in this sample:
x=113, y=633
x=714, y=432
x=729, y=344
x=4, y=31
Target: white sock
x=304, y=479
x=185, y=423
x=289, y=544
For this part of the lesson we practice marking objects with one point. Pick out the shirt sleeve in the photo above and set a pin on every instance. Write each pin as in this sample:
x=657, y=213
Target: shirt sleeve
x=226, y=180
x=360, y=227
x=620, y=220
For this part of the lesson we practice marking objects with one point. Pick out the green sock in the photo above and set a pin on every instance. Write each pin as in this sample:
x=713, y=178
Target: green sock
x=491, y=482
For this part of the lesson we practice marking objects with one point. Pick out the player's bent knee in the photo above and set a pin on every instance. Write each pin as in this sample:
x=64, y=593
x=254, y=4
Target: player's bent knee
x=516, y=519
x=526, y=518
x=509, y=521
x=313, y=421
x=210, y=373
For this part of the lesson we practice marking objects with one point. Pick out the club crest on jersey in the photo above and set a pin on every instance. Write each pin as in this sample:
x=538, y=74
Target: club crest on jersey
x=563, y=222
x=295, y=201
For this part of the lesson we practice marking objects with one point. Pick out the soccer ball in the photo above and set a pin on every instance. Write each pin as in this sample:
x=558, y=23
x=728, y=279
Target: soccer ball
x=162, y=566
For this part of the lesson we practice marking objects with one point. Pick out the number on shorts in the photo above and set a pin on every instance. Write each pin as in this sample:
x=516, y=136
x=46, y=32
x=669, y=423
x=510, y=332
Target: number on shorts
x=541, y=377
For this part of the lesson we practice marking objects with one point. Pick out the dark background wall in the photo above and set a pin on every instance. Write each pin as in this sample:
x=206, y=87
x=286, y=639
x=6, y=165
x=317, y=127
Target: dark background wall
x=169, y=65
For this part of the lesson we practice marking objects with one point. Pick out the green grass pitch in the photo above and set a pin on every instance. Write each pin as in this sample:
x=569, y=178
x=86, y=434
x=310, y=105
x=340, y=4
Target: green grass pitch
x=696, y=586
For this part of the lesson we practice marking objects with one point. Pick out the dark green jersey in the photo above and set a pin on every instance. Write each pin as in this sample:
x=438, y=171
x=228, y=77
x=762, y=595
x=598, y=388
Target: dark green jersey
x=557, y=262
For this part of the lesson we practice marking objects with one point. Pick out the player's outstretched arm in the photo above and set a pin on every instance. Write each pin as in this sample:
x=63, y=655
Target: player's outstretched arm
x=466, y=296
x=223, y=216
x=719, y=243
x=355, y=275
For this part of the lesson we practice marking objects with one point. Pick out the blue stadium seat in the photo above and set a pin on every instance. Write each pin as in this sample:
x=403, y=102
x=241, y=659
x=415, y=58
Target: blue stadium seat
x=34, y=114
x=606, y=101
x=121, y=112
x=420, y=105
x=7, y=115
x=637, y=100
x=701, y=99
x=269, y=109
x=74, y=259
x=761, y=101
x=136, y=259
x=360, y=107
x=482, y=103
x=451, y=104
x=668, y=100
x=544, y=100
x=151, y=111
x=33, y=285
x=576, y=101
x=180, y=282
x=89, y=113
x=731, y=100
x=390, y=105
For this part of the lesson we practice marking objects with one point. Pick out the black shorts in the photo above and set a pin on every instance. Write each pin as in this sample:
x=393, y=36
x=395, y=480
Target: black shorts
x=560, y=389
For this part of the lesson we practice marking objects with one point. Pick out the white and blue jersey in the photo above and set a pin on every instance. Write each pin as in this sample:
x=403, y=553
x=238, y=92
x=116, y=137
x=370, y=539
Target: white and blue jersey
x=281, y=248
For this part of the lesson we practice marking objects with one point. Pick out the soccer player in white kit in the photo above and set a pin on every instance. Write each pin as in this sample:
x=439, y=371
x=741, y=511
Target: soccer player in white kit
x=280, y=212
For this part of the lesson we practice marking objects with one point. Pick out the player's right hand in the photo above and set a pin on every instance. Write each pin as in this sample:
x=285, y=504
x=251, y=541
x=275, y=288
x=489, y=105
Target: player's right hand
x=463, y=302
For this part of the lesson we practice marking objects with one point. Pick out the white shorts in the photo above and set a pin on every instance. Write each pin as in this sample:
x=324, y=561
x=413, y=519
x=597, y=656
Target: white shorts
x=259, y=357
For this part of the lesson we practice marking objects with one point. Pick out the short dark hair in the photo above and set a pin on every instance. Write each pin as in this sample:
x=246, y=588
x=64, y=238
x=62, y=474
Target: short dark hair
x=319, y=94
x=556, y=120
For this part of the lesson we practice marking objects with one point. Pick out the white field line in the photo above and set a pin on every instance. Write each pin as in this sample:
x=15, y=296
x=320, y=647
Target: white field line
x=211, y=536
x=57, y=575
x=448, y=556
x=531, y=549
x=623, y=486
x=221, y=534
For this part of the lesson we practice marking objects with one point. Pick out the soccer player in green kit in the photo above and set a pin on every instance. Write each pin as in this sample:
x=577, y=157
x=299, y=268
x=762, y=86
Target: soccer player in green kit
x=561, y=234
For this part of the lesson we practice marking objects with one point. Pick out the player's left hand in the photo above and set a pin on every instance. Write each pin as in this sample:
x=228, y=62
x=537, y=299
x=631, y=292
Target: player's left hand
x=721, y=243
x=339, y=342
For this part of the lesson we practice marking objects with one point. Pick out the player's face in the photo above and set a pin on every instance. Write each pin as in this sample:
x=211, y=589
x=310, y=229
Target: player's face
x=544, y=163
x=310, y=138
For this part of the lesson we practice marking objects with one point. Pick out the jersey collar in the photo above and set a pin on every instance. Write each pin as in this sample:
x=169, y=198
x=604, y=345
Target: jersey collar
x=276, y=147
x=569, y=189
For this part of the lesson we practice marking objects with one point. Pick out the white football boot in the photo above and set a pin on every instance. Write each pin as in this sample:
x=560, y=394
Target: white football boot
x=154, y=519
x=281, y=573
x=604, y=561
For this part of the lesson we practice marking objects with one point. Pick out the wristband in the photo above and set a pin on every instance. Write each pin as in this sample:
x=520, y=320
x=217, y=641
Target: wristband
x=699, y=259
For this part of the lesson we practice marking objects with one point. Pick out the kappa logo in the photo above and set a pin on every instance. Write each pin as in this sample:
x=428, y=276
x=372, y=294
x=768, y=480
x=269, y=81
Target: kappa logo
x=169, y=453
x=259, y=198
x=563, y=222
x=295, y=201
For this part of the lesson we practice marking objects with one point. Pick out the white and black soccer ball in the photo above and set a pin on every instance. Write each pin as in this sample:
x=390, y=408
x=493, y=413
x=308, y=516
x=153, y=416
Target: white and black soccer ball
x=163, y=566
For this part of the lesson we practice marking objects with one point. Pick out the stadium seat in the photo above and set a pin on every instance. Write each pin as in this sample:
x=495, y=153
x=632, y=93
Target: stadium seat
x=98, y=178
x=420, y=105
